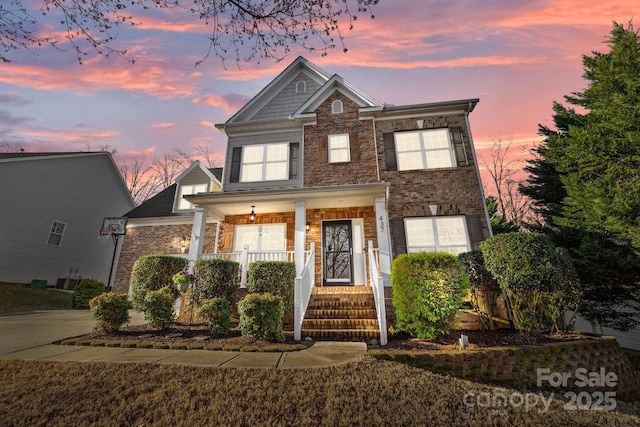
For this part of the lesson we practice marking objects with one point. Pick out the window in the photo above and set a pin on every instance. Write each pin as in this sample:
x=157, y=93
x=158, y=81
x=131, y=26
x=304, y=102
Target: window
x=336, y=107
x=301, y=86
x=339, y=148
x=425, y=149
x=445, y=233
x=266, y=162
x=55, y=235
x=187, y=189
x=261, y=237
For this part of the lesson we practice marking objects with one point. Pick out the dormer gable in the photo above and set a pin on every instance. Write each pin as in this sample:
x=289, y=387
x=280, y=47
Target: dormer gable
x=336, y=83
x=195, y=179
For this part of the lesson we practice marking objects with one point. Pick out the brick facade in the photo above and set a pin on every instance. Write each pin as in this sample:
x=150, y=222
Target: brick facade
x=362, y=167
x=455, y=190
x=155, y=239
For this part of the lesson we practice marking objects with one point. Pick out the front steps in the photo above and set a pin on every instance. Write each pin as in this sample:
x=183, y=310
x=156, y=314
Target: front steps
x=341, y=313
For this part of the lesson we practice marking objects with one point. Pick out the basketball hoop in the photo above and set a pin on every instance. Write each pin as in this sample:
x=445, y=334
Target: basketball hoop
x=105, y=235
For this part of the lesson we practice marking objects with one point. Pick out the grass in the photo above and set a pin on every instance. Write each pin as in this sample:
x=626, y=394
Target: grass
x=367, y=392
x=18, y=298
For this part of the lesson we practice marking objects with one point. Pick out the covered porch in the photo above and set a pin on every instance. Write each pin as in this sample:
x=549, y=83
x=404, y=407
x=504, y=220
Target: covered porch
x=336, y=236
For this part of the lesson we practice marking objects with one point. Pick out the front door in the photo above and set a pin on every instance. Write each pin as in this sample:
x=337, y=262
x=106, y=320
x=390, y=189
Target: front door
x=337, y=253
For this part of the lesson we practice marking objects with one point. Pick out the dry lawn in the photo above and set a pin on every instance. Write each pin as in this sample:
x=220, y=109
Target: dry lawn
x=365, y=393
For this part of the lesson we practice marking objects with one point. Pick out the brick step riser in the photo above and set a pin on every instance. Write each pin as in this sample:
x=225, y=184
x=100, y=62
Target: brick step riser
x=338, y=297
x=340, y=314
x=342, y=305
x=342, y=335
x=340, y=324
x=331, y=290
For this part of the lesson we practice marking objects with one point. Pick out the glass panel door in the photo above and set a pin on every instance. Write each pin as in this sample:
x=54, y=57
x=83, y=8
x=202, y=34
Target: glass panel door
x=337, y=253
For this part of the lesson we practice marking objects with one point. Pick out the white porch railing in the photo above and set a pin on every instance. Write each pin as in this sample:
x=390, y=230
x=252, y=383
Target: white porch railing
x=245, y=258
x=302, y=293
x=377, y=285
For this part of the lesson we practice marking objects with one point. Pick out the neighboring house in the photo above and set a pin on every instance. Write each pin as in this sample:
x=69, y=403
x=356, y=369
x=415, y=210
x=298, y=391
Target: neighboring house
x=163, y=223
x=319, y=172
x=52, y=206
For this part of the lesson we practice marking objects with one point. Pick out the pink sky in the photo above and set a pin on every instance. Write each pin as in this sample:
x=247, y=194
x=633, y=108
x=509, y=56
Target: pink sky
x=517, y=57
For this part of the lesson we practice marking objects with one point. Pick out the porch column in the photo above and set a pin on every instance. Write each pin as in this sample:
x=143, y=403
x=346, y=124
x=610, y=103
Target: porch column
x=382, y=227
x=197, y=236
x=300, y=236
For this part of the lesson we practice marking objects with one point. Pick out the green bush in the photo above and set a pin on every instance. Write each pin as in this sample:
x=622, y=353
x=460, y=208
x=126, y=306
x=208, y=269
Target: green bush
x=261, y=316
x=217, y=312
x=153, y=272
x=84, y=291
x=538, y=277
x=428, y=289
x=274, y=277
x=217, y=278
x=158, y=308
x=110, y=310
x=484, y=287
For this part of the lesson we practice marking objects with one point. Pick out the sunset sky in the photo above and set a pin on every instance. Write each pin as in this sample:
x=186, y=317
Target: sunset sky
x=517, y=57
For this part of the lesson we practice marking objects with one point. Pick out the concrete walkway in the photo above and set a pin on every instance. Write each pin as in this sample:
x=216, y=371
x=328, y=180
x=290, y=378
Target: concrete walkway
x=29, y=337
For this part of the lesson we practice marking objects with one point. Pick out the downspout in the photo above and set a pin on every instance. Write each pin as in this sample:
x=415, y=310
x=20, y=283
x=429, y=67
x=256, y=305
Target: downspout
x=507, y=302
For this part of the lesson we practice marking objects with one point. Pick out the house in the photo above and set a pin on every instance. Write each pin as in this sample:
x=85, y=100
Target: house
x=163, y=223
x=52, y=206
x=321, y=173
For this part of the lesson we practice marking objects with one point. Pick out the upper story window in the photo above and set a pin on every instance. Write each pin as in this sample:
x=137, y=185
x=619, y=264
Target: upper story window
x=336, y=107
x=431, y=234
x=56, y=233
x=186, y=189
x=424, y=149
x=338, y=147
x=264, y=162
x=260, y=237
x=301, y=86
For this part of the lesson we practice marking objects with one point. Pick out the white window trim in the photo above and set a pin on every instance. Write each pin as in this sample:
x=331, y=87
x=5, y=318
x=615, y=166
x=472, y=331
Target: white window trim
x=53, y=231
x=259, y=227
x=424, y=151
x=337, y=107
x=438, y=246
x=183, y=204
x=330, y=150
x=301, y=86
x=265, y=162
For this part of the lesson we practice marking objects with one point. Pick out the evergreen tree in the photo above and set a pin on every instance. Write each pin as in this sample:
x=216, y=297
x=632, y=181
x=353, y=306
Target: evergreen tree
x=585, y=181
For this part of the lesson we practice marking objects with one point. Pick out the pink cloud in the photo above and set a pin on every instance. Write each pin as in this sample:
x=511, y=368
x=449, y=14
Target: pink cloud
x=231, y=103
x=163, y=125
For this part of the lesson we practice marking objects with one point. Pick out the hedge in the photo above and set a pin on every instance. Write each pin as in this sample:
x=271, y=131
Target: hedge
x=151, y=273
x=274, y=277
x=84, y=292
x=217, y=278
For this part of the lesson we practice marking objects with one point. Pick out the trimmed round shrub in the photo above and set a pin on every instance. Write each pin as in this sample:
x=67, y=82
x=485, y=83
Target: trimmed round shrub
x=539, y=279
x=111, y=310
x=153, y=272
x=428, y=289
x=274, y=277
x=217, y=312
x=217, y=278
x=84, y=292
x=484, y=287
x=261, y=316
x=158, y=308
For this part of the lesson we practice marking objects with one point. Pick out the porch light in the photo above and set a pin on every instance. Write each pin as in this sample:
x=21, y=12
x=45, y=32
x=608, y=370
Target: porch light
x=252, y=215
x=308, y=226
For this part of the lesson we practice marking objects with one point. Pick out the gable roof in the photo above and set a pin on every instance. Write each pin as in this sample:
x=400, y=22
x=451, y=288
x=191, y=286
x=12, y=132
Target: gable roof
x=337, y=83
x=27, y=156
x=161, y=205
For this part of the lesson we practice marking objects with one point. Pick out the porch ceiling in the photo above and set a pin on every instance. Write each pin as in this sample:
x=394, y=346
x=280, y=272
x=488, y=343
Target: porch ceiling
x=220, y=204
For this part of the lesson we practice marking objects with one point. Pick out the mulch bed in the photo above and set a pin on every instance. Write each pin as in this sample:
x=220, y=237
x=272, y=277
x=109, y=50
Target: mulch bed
x=192, y=334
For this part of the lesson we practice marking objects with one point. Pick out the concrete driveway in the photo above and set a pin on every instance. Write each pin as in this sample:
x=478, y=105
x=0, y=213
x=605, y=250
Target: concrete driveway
x=23, y=331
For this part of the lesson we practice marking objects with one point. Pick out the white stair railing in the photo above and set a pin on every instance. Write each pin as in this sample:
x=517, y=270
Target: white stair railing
x=302, y=293
x=377, y=285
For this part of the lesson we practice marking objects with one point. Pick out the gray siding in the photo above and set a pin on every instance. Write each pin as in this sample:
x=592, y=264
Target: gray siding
x=629, y=340
x=241, y=140
x=76, y=190
x=287, y=101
